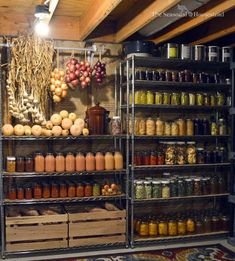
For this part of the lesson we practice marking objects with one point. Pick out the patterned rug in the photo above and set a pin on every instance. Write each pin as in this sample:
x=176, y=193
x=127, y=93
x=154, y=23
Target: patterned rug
x=202, y=253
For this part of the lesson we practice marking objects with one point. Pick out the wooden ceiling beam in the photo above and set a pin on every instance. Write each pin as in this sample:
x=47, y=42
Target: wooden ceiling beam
x=95, y=14
x=52, y=6
x=143, y=18
x=193, y=22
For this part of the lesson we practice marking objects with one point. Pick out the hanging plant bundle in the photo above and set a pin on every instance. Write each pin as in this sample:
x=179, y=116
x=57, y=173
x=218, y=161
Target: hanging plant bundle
x=100, y=71
x=29, y=78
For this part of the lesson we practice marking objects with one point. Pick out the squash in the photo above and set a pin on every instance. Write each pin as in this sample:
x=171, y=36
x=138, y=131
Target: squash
x=7, y=130
x=56, y=131
x=56, y=119
x=72, y=116
x=75, y=130
x=19, y=130
x=27, y=130
x=36, y=130
x=85, y=132
x=65, y=133
x=66, y=123
x=64, y=114
x=47, y=133
x=80, y=122
x=49, y=125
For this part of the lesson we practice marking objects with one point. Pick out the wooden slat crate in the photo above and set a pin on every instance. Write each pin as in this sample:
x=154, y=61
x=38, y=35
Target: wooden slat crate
x=36, y=232
x=94, y=228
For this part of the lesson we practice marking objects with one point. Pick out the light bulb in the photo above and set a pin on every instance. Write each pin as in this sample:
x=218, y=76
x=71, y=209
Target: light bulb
x=41, y=28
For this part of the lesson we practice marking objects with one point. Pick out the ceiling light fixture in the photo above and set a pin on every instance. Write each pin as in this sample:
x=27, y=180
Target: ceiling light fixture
x=41, y=25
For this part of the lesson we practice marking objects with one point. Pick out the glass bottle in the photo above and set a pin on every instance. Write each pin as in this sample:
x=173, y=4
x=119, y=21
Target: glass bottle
x=109, y=161
x=59, y=162
x=99, y=161
x=49, y=162
x=90, y=161
x=69, y=162
x=80, y=162
x=39, y=162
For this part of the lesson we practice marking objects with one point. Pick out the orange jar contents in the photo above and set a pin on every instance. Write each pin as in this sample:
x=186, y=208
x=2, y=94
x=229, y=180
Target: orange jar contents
x=70, y=162
x=99, y=161
x=49, y=162
x=63, y=190
x=54, y=190
x=12, y=193
x=118, y=160
x=59, y=162
x=28, y=193
x=88, y=190
x=71, y=190
x=39, y=162
x=37, y=191
x=20, y=193
x=80, y=162
x=79, y=190
x=109, y=161
x=46, y=193
x=90, y=162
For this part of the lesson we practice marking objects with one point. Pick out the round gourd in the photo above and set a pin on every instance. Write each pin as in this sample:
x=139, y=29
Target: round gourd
x=47, y=133
x=65, y=133
x=19, y=130
x=7, y=130
x=80, y=122
x=56, y=131
x=75, y=130
x=27, y=130
x=64, y=114
x=56, y=119
x=72, y=116
x=66, y=123
x=49, y=125
x=36, y=130
x=85, y=132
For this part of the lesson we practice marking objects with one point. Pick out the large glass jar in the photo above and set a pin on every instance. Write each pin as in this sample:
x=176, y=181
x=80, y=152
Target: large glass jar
x=37, y=191
x=20, y=164
x=139, y=190
x=189, y=187
x=148, y=189
x=59, y=162
x=118, y=160
x=137, y=97
x=116, y=125
x=46, y=193
x=144, y=229
x=214, y=189
x=190, y=225
x=165, y=189
x=167, y=128
x=135, y=127
x=80, y=162
x=49, y=162
x=29, y=165
x=181, y=188
x=90, y=161
x=142, y=127
x=69, y=162
x=189, y=127
x=172, y=228
x=160, y=158
x=215, y=223
x=159, y=127
x=163, y=228
x=191, y=153
x=158, y=98
x=200, y=156
x=150, y=127
x=220, y=99
x=150, y=97
x=99, y=161
x=174, y=128
x=39, y=162
x=184, y=99
x=166, y=98
x=28, y=192
x=153, y=228
x=222, y=127
x=11, y=164
x=80, y=190
x=206, y=101
x=20, y=193
x=181, y=154
x=54, y=190
x=143, y=97
x=109, y=161
x=173, y=188
x=63, y=190
x=182, y=127
x=156, y=189
x=88, y=190
x=181, y=227
x=192, y=99
x=214, y=128
x=175, y=98
x=213, y=99
x=153, y=158
x=200, y=99
x=205, y=186
x=197, y=187
x=170, y=153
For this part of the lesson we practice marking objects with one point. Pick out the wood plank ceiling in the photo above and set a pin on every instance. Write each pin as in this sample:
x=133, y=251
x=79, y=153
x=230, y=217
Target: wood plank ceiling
x=121, y=20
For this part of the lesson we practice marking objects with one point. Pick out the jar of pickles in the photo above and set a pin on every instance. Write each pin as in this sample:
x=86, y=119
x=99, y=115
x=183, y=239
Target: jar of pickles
x=153, y=228
x=184, y=99
x=150, y=97
x=144, y=228
x=156, y=189
x=159, y=127
x=150, y=127
x=165, y=189
x=170, y=153
x=166, y=98
x=200, y=99
x=175, y=98
x=213, y=99
x=192, y=99
x=158, y=98
x=148, y=189
x=139, y=190
x=191, y=153
x=214, y=128
x=220, y=99
x=173, y=188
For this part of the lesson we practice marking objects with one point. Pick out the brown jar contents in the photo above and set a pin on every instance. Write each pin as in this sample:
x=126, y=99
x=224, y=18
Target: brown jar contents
x=90, y=162
x=79, y=190
x=71, y=190
x=63, y=190
x=20, y=164
x=80, y=162
x=54, y=190
x=182, y=127
x=99, y=161
x=69, y=162
x=49, y=162
x=37, y=191
x=46, y=193
x=59, y=162
x=29, y=167
x=88, y=190
x=39, y=162
x=12, y=193
x=28, y=193
x=20, y=193
x=118, y=160
x=109, y=161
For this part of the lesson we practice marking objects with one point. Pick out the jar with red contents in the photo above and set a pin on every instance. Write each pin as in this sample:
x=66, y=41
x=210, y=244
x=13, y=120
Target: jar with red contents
x=146, y=158
x=63, y=190
x=37, y=191
x=12, y=193
x=153, y=158
x=54, y=190
x=71, y=190
x=160, y=158
x=88, y=190
x=20, y=193
x=28, y=192
x=80, y=190
x=138, y=159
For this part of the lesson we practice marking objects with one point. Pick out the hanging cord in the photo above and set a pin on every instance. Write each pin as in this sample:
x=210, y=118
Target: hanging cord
x=58, y=59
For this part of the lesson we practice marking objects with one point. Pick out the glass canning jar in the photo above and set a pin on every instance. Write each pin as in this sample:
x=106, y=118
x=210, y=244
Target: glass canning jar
x=175, y=98
x=189, y=127
x=144, y=228
x=139, y=190
x=189, y=187
x=182, y=127
x=116, y=125
x=170, y=153
x=181, y=153
x=158, y=98
x=156, y=189
x=181, y=227
x=197, y=187
x=206, y=186
x=148, y=189
x=172, y=228
x=142, y=127
x=200, y=156
x=166, y=98
x=150, y=127
x=150, y=97
x=199, y=99
x=163, y=228
x=184, y=99
x=220, y=99
x=222, y=130
x=173, y=188
x=191, y=152
x=49, y=162
x=190, y=225
x=153, y=228
x=192, y=99
x=159, y=127
x=174, y=128
x=167, y=128
x=181, y=188
x=165, y=189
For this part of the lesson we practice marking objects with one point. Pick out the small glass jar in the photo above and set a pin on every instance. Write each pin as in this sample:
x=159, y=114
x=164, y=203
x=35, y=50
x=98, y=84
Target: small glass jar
x=213, y=99
x=199, y=99
x=172, y=228
x=156, y=189
x=37, y=191
x=39, y=162
x=29, y=166
x=184, y=99
x=59, y=162
x=167, y=128
x=49, y=162
x=197, y=187
x=222, y=130
x=170, y=153
x=160, y=158
x=54, y=190
x=181, y=188
x=69, y=162
x=116, y=125
x=192, y=99
x=174, y=129
x=173, y=188
x=189, y=187
x=153, y=228
x=63, y=190
x=199, y=227
x=163, y=228
x=182, y=127
x=214, y=128
x=207, y=224
x=28, y=192
x=181, y=227
x=205, y=186
x=166, y=98
x=143, y=97
x=160, y=127
x=206, y=100
x=215, y=224
x=175, y=99
x=158, y=98
x=96, y=190
x=139, y=190
x=150, y=127
x=46, y=193
x=150, y=97
x=224, y=223
x=200, y=156
x=191, y=153
x=20, y=164
x=80, y=190
x=88, y=190
x=190, y=225
x=153, y=158
x=12, y=193
x=148, y=189
x=189, y=127
x=142, y=127
x=214, y=188
x=166, y=189
x=144, y=229
x=220, y=99
x=20, y=193
x=181, y=154
x=11, y=164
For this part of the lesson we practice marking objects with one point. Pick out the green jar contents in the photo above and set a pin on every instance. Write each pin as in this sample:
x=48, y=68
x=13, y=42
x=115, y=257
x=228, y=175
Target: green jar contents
x=212, y=100
x=175, y=99
x=150, y=97
x=200, y=99
x=220, y=99
x=165, y=189
x=222, y=127
x=158, y=98
x=143, y=97
x=173, y=188
x=206, y=99
x=166, y=98
x=96, y=190
x=192, y=99
x=188, y=187
x=184, y=99
x=156, y=189
x=181, y=188
x=138, y=97
x=214, y=128
x=139, y=190
x=148, y=189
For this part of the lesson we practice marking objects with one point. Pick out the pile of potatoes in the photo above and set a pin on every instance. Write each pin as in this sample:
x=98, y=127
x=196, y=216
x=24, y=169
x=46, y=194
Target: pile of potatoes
x=60, y=124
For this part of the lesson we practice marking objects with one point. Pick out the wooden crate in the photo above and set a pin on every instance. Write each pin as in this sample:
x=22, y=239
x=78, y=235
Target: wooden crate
x=86, y=228
x=36, y=232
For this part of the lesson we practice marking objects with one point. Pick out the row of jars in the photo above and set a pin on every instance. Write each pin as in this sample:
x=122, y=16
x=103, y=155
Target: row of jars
x=59, y=190
x=179, y=127
x=182, y=98
x=179, y=187
x=180, y=153
x=164, y=226
x=68, y=162
x=179, y=76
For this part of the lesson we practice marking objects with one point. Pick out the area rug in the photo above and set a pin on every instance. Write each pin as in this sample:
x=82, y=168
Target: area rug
x=202, y=253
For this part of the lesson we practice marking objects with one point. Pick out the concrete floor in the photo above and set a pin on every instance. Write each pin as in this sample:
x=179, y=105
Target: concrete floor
x=122, y=251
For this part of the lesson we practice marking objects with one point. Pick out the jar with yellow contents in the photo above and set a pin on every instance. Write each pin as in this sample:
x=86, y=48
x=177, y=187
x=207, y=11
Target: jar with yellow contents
x=182, y=227
x=137, y=225
x=150, y=127
x=172, y=228
x=163, y=228
x=153, y=228
x=144, y=228
x=150, y=97
x=190, y=225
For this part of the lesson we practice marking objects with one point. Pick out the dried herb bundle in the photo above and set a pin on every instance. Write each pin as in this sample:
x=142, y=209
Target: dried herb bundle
x=29, y=78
